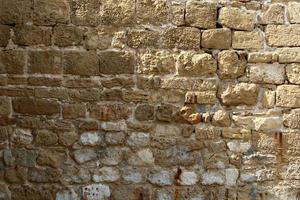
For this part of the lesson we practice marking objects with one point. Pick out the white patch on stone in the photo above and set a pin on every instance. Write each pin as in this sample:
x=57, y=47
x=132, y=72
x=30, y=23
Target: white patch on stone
x=89, y=138
x=161, y=178
x=188, y=178
x=22, y=136
x=109, y=174
x=96, y=192
x=210, y=178
x=231, y=176
x=66, y=195
x=238, y=146
x=114, y=126
x=138, y=139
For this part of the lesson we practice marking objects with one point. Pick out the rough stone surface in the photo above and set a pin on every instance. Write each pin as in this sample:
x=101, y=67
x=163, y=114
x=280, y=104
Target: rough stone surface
x=237, y=19
x=149, y=99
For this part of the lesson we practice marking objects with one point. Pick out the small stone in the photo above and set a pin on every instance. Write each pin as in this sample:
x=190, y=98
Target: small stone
x=216, y=38
x=293, y=73
x=66, y=195
x=207, y=97
x=231, y=175
x=273, y=14
x=187, y=38
x=191, y=64
x=22, y=137
x=5, y=106
x=283, y=35
x=161, y=178
x=144, y=112
x=109, y=174
x=143, y=157
x=201, y=14
x=107, y=112
x=292, y=120
x=241, y=93
x=247, y=40
x=178, y=10
x=46, y=138
x=68, y=138
x=209, y=178
x=114, y=62
x=114, y=126
x=115, y=138
x=238, y=146
x=267, y=73
x=164, y=112
x=293, y=12
x=96, y=192
x=90, y=138
x=138, y=139
x=262, y=57
x=221, y=118
x=236, y=18
x=188, y=178
x=288, y=96
x=84, y=155
x=232, y=64
x=111, y=155
x=133, y=175
x=268, y=98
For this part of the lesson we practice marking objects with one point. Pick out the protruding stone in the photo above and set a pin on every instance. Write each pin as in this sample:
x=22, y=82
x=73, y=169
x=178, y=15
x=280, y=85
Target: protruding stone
x=221, y=118
x=191, y=64
x=241, y=93
x=232, y=64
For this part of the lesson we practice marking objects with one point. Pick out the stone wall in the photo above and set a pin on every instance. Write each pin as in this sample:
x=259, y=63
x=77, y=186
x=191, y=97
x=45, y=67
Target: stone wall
x=149, y=100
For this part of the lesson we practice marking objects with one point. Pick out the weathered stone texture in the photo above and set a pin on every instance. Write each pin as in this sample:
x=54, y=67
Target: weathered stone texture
x=149, y=99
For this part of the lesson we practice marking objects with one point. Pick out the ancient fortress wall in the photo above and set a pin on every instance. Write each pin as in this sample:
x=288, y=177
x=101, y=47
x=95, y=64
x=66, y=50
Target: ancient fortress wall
x=149, y=100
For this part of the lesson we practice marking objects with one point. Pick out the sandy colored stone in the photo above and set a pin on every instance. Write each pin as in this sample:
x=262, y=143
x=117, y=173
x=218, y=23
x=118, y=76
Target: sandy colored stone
x=117, y=12
x=293, y=12
x=156, y=62
x=272, y=14
x=73, y=111
x=201, y=14
x=16, y=11
x=85, y=12
x=236, y=18
x=221, y=118
x=232, y=64
x=268, y=98
x=288, y=96
x=247, y=40
x=216, y=38
x=188, y=84
x=288, y=55
x=237, y=94
x=267, y=73
x=186, y=38
x=142, y=38
x=152, y=12
x=178, y=10
x=205, y=97
x=292, y=120
x=283, y=35
x=264, y=57
x=191, y=64
x=293, y=73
